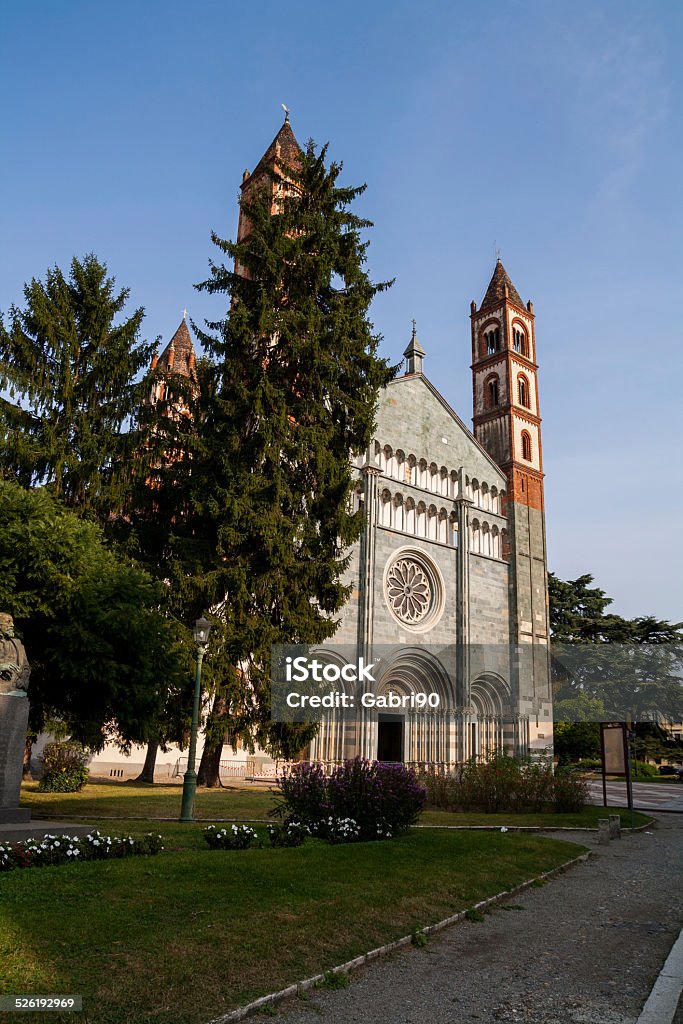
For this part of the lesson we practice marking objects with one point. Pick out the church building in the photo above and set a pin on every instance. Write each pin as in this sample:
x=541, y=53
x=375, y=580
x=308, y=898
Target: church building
x=449, y=578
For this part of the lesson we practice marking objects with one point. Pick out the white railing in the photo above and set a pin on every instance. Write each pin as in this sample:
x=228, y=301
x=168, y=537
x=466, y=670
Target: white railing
x=251, y=771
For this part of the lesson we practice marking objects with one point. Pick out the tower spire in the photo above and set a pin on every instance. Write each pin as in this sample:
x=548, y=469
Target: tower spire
x=284, y=149
x=500, y=287
x=414, y=354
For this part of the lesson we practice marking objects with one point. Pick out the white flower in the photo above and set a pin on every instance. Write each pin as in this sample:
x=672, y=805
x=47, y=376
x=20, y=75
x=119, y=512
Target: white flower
x=503, y=828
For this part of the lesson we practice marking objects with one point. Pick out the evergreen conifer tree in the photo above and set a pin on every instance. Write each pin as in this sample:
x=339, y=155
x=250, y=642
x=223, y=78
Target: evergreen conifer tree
x=292, y=392
x=70, y=373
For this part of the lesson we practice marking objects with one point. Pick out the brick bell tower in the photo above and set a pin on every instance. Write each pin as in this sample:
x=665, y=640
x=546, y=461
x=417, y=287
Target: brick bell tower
x=284, y=149
x=508, y=425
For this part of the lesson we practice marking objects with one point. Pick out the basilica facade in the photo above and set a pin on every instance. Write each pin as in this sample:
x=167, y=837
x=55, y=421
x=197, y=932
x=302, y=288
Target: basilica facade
x=449, y=579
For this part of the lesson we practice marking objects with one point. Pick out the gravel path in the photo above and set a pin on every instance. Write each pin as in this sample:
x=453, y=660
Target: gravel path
x=583, y=949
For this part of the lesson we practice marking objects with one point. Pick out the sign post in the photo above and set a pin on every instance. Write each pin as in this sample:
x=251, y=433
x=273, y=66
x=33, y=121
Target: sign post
x=616, y=759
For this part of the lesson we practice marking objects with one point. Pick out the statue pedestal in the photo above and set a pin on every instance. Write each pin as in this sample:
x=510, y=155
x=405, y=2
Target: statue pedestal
x=13, y=724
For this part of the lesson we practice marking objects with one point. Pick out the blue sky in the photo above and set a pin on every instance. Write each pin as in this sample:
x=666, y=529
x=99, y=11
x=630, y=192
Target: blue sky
x=550, y=131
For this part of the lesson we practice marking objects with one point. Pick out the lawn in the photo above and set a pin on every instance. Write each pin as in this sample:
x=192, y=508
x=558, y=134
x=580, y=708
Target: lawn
x=130, y=800
x=587, y=818
x=192, y=933
x=102, y=799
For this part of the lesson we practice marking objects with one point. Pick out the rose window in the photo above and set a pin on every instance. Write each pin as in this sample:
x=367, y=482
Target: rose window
x=409, y=590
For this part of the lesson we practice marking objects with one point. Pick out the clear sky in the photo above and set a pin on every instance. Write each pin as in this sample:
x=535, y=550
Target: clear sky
x=549, y=130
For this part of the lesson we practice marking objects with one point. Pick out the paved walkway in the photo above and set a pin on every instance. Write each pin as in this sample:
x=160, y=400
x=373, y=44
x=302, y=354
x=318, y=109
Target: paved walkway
x=584, y=949
x=664, y=796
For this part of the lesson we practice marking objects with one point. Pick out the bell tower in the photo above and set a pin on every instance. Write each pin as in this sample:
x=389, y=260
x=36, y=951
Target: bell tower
x=507, y=424
x=283, y=150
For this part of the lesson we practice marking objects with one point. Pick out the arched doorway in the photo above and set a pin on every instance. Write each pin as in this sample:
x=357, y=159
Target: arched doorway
x=422, y=729
x=490, y=700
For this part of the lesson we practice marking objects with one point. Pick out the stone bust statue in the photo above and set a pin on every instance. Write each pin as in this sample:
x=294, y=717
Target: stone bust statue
x=14, y=667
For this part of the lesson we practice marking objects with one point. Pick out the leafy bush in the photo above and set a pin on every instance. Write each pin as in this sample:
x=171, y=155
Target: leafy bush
x=360, y=800
x=64, y=849
x=237, y=837
x=570, y=793
x=505, y=784
x=589, y=764
x=644, y=770
x=64, y=767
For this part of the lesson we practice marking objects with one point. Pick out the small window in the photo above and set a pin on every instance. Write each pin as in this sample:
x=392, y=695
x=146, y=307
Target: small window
x=526, y=446
x=519, y=342
x=492, y=338
x=523, y=386
x=493, y=396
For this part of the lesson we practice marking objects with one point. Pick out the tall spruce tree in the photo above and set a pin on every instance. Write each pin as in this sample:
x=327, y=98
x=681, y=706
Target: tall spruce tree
x=294, y=378
x=69, y=369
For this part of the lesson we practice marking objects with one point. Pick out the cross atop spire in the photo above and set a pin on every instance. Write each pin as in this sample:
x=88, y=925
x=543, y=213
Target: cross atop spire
x=414, y=354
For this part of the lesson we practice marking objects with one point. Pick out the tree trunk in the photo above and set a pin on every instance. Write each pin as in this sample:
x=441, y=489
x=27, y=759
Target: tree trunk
x=210, y=765
x=28, y=747
x=216, y=726
x=147, y=773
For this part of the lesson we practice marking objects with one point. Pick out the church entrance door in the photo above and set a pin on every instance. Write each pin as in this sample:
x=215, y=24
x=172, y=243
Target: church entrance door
x=390, y=738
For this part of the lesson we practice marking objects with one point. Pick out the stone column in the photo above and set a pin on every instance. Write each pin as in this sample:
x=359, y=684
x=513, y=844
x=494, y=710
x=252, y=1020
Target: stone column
x=366, y=582
x=366, y=587
x=13, y=725
x=463, y=505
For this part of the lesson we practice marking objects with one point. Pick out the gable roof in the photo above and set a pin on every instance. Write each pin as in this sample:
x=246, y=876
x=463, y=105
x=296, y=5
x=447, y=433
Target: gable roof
x=408, y=380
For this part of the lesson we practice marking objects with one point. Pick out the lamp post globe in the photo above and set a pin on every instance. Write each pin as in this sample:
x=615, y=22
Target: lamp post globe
x=201, y=631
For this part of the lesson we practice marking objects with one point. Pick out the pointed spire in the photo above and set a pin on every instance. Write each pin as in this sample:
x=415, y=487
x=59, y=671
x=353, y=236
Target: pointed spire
x=283, y=149
x=414, y=354
x=179, y=355
x=501, y=287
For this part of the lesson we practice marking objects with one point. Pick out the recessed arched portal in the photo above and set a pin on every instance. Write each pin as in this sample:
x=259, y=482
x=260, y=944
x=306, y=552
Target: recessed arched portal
x=421, y=727
x=490, y=699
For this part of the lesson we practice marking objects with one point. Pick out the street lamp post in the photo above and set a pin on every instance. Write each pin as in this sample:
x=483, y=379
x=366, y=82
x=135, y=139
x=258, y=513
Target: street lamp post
x=202, y=628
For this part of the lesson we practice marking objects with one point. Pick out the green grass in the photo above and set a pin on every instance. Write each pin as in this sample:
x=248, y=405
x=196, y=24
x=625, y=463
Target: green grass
x=192, y=933
x=587, y=818
x=129, y=800
x=102, y=799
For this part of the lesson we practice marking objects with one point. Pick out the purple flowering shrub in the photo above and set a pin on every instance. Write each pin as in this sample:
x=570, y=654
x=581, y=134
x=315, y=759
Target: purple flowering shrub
x=372, y=799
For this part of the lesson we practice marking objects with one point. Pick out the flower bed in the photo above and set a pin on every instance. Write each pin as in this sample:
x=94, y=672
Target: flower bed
x=65, y=849
x=237, y=837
